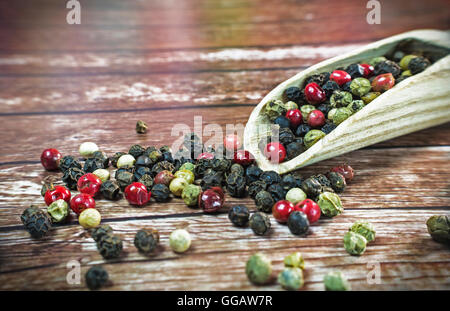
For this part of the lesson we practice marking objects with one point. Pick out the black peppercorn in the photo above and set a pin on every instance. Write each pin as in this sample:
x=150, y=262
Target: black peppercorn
x=167, y=156
x=387, y=66
x=98, y=232
x=155, y=156
x=96, y=277
x=193, y=144
x=141, y=171
x=239, y=215
x=236, y=185
x=255, y=187
x=92, y=164
x=292, y=93
x=302, y=129
x=324, y=108
x=337, y=181
x=165, y=149
x=289, y=181
x=160, y=192
x=418, y=64
x=136, y=151
x=71, y=176
x=282, y=121
x=270, y=177
x=286, y=136
x=143, y=160
x=260, y=223
x=149, y=150
x=124, y=178
x=212, y=178
x=110, y=190
x=277, y=192
x=221, y=165
x=68, y=162
x=328, y=127
x=202, y=166
x=162, y=166
x=238, y=169
x=252, y=173
x=102, y=157
x=116, y=157
x=146, y=241
x=294, y=149
x=311, y=187
x=264, y=201
x=355, y=70
x=322, y=179
x=346, y=87
x=298, y=223
x=319, y=78
x=36, y=222
x=329, y=87
x=110, y=246
x=147, y=181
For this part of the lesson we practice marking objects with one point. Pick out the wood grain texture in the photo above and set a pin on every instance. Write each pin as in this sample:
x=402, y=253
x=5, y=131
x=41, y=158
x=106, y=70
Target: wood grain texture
x=166, y=63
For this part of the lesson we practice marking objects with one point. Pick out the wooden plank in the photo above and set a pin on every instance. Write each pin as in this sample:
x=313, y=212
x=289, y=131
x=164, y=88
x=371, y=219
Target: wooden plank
x=409, y=258
x=407, y=181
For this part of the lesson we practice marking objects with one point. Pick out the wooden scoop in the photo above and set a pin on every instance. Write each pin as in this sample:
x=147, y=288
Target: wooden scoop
x=415, y=103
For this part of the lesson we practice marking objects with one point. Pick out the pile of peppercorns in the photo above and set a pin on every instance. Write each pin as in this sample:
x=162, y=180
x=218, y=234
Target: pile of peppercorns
x=308, y=112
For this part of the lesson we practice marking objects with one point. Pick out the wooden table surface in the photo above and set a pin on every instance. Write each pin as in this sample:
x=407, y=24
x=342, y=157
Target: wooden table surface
x=166, y=62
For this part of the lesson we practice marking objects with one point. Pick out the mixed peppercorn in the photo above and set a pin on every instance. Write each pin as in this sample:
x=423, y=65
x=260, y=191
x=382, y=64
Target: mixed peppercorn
x=306, y=113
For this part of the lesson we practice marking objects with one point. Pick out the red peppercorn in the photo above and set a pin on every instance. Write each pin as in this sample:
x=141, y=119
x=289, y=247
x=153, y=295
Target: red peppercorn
x=164, y=177
x=80, y=202
x=206, y=155
x=275, y=152
x=295, y=117
x=232, y=142
x=316, y=118
x=383, y=82
x=345, y=170
x=243, y=157
x=368, y=70
x=50, y=159
x=137, y=194
x=340, y=77
x=89, y=184
x=310, y=208
x=219, y=191
x=314, y=93
x=281, y=210
x=210, y=201
x=57, y=193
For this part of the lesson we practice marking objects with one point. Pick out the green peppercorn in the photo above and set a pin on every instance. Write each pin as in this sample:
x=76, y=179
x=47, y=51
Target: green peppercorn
x=294, y=260
x=365, y=229
x=356, y=105
x=337, y=181
x=177, y=185
x=264, y=201
x=306, y=110
x=312, y=187
x=374, y=61
x=290, y=105
x=87, y=149
x=141, y=127
x=239, y=215
x=340, y=99
x=186, y=175
x=155, y=156
x=330, y=204
x=259, y=269
x=110, y=246
x=146, y=241
x=190, y=195
x=439, y=228
x=341, y=115
x=126, y=161
x=187, y=166
x=291, y=278
x=96, y=277
x=295, y=195
x=102, y=174
x=360, y=86
x=354, y=243
x=370, y=97
x=313, y=137
x=260, y=223
x=274, y=109
x=331, y=113
x=110, y=190
x=180, y=241
x=404, y=62
x=58, y=210
x=89, y=218
x=36, y=222
x=336, y=281
x=100, y=231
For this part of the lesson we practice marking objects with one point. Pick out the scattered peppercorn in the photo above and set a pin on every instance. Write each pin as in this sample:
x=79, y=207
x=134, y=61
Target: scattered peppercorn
x=87, y=149
x=291, y=278
x=190, y=195
x=71, y=176
x=298, y=223
x=110, y=190
x=58, y=211
x=96, y=277
x=337, y=181
x=68, y=162
x=295, y=195
x=110, y=246
x=89, y=218
x=100, y=231
x=259, y=269
x=312, y=187
x=354, y=243
x=335, y=281
x=365, y=229
x=330, y=204
x=146, y=241
x=264, y=201
x=36, y=222
x=294, y=260
x=180, y=241
x=439, y=228
x=141, y=127
x=239, y=215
